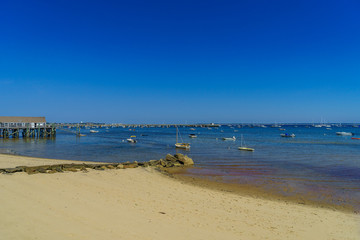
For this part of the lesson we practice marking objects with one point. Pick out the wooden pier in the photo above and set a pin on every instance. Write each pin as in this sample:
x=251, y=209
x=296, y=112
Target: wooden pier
x=27, y=132
x=26, y=127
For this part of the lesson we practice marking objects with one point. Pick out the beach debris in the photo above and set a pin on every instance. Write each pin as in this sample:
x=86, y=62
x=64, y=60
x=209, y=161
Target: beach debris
x=177, y=160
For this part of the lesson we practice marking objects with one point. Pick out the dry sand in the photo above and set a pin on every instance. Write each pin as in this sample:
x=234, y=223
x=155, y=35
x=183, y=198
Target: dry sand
x=142, y=204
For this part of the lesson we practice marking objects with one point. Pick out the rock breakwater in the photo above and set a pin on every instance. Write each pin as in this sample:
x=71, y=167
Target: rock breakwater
x=177, y=160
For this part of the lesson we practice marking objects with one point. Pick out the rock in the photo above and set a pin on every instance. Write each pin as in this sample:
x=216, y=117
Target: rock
x=131, y=165
x=110, y=166
x=145, y=164
x=71, y=169
x=30, y=170
x=58, y=169
x=162, y=162
x=170, y=164
x=170, y=158
x=185, y=160
x=13, y=170
x=169, y=161
x=41, y=170
x=177, y=164
x=154, y=162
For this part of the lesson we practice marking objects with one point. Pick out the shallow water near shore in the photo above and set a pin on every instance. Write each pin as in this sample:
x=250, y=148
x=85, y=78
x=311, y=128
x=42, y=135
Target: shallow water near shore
x=317, y=164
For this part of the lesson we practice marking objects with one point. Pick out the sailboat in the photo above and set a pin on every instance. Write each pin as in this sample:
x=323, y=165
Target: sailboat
x=181, y=145
x=78, y=134
x=243, y=147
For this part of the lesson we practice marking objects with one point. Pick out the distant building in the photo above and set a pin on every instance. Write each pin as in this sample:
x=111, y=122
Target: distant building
x=22, y=122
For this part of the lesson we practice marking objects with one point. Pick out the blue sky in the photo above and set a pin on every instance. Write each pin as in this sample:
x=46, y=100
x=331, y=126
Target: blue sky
x=181, y=61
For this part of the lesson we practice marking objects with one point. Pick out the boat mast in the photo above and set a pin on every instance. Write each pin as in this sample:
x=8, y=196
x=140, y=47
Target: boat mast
x=177, y=134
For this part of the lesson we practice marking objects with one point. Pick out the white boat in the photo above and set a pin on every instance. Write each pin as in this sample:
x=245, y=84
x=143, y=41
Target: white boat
x=94, y=131
x=132, y=139
x=243, y=147
x=192, y=135
x=345, y=133
x=287, y=135
x=181, y=145
x=232, y=138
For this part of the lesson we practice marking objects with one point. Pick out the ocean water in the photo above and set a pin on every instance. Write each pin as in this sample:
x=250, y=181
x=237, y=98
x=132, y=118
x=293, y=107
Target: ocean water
x=315, y=164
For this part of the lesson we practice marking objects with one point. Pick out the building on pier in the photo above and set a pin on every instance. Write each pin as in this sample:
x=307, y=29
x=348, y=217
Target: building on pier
x=25, y=126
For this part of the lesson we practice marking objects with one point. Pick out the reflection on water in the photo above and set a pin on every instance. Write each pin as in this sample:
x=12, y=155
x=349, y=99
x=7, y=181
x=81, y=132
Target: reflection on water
x=315, y=163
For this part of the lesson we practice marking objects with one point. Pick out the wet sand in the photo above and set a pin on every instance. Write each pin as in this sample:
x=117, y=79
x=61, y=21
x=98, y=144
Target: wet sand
x=258, y=191
x=142, y=203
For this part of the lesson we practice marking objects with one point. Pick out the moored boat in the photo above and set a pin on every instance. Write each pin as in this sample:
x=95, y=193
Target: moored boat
x=132, y=139
x=345, y=133
x=181, y=145
x=192, y=135
x=287, y=135
x=243, y=147
x=231, y=139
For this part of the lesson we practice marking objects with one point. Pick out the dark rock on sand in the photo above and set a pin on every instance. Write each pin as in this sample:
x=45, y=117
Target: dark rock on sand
x=185, y=160
x=177, y=160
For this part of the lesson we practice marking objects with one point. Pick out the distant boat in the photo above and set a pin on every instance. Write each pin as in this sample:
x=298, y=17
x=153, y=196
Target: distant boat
x=355, y=138
x=94, y=131
x=232, y=138
x=345, y=133
x=243, y=147
x=192, y=129
x=132, y=139
x=192, y=135
x=181, y=145
x=78, y=134
x=282, y=129
x=287, y=135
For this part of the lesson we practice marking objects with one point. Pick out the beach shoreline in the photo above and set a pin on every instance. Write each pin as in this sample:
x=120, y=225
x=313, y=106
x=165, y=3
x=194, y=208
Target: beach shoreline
x=142, y=203
x=256, y=191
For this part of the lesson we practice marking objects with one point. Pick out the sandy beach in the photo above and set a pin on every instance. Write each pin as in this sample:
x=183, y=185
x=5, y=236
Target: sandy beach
x=142, y=203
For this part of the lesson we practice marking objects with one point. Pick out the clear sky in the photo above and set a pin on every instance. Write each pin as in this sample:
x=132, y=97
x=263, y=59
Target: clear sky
x=181, y=61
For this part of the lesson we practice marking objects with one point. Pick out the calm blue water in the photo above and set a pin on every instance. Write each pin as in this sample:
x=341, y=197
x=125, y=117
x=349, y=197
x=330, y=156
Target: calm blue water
x=316, y=162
